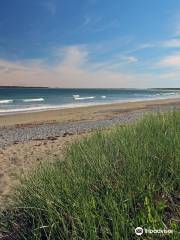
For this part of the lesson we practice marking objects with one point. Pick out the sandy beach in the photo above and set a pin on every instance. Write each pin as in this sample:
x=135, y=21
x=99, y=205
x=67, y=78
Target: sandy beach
x=26, y=139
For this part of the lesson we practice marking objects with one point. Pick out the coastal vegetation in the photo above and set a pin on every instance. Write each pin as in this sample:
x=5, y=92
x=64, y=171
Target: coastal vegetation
x=108, y=184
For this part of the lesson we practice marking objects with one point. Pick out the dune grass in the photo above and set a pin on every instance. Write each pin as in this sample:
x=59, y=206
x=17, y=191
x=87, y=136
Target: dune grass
x=109, y=184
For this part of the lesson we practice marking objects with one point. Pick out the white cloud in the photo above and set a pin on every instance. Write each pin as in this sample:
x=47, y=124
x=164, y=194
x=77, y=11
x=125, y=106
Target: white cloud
x=170, y=70
x=146, y=45
x=172, y=43
x=175, y=23
x=170, y=75
x=93, y=23
x=131, y=59
x=74, y=70
x=74, y=56
x=170, y=61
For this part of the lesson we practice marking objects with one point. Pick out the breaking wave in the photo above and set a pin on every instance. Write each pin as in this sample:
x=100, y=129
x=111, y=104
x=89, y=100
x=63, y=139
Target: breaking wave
x=77, y=97
x=33, y=100
x=6, y=101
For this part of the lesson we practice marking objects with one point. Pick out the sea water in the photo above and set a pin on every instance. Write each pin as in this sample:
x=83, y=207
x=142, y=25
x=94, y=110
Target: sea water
x=17, y=99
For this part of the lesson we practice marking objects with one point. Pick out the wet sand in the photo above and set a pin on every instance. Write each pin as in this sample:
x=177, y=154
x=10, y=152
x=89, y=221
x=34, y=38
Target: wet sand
x=29, y=139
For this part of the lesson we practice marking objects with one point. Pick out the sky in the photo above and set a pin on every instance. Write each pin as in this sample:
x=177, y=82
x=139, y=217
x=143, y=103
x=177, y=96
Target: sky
x=90, y=43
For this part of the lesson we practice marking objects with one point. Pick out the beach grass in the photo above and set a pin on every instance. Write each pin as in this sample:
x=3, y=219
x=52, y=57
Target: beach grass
x=108, y=184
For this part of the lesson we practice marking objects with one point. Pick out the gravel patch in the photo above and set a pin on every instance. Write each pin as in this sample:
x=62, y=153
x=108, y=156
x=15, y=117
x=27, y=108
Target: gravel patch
x=12, y=135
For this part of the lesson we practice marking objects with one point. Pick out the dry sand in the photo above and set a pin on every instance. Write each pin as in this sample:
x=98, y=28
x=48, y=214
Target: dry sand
x=19, y=157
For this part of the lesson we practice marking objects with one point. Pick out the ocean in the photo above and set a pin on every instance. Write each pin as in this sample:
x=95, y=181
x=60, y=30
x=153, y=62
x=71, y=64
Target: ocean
x=16, y=100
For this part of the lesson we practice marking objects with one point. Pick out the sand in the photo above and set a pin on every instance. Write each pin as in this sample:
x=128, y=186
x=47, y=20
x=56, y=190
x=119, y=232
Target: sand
x=28, y=139
x=81, y=113
x=22, y=158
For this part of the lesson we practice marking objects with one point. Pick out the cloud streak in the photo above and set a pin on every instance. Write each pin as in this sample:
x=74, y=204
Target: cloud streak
x=74, y=67
x=73, y=70
x=171, y=61
x=172, y=43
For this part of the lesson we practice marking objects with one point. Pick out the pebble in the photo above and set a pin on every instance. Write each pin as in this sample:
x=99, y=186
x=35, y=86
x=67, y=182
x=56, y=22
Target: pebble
x=12, y=135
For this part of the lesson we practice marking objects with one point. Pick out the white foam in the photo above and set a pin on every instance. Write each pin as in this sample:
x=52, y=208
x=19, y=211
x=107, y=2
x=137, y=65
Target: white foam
x=171, y=93
x=24, y=109
x=33, y=100
x=83, y=98
x=76, y=96
x=103, y=96
x=41, y=108
x=6, y=101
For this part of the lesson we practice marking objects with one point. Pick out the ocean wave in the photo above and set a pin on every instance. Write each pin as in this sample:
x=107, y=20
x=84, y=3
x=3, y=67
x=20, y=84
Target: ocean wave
x=6, y=101
x=43, y=108
x=77, y=97
x=103, y=96
x=33, y=100
x=160, y=94
x=171, y=93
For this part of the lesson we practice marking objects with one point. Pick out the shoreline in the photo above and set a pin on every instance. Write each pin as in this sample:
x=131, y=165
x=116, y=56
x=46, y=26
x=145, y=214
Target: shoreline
x=75, y=114
x=6, y=112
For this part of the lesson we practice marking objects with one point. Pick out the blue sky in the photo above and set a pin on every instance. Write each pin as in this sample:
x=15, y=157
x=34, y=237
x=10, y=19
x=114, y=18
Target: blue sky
x=90, y=43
